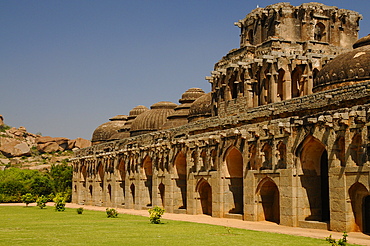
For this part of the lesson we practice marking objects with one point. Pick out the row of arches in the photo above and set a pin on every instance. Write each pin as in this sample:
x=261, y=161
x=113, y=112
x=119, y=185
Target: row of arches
x=148, y=187
x=265, y=84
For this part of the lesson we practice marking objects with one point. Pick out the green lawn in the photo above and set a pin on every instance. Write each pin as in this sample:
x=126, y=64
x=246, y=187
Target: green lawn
x=35, y=226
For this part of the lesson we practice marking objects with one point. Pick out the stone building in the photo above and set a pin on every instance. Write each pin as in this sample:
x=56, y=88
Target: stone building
x=282, y=136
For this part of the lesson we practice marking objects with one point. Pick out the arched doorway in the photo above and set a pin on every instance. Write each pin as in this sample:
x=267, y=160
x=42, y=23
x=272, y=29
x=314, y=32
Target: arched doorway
x=161, y=189
x=132, y=189
x=269, y=198
x=205, y=194
x=148, y=180
x=109, y=193
x=122, y=175
x=180, y=179
x=358, y=193
x=315, y=179
x=234, y=173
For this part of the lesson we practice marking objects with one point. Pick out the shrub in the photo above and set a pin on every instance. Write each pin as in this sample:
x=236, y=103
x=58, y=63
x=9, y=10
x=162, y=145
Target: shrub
x=28, y=198
x=156, y=214
x=80, y=210
x=341, y=242
x=41, y=201
x=111, y=213
x=60, y=202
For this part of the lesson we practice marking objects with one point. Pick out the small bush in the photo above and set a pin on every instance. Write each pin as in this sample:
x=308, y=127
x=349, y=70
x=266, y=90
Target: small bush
x=60, y=202
x=28, y=198
x=80, y=210
x=41, y=201
x=341, y=242
x=156, y=214
x=111, y=213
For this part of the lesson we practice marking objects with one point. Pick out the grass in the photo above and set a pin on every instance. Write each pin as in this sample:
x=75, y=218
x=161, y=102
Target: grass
x=35, y=226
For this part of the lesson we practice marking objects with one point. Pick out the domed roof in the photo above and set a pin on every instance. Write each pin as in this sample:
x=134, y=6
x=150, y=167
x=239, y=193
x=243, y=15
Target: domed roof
x=180, y=116
x=346, y=69
x=153, y=119
x=191, y=95
x=105, y=131
x=201, y=108
x=138, y=110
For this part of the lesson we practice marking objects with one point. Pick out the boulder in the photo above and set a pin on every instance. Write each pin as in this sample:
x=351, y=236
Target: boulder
x=15, y=148
x=71, y=144
x=42, y=140
x=82, y=143
x=49, y=147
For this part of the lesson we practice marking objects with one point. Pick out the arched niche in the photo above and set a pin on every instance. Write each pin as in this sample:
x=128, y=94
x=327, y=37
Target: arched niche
x=180, y=180
x=162, y=190
x=297, y=82
x=315, y=179
x=205, y=193
x=319, y=33
x=266, y=156
x=281, y=155
x=234, y=180
x=269, y=201
x=148, y=180
x=357, y=193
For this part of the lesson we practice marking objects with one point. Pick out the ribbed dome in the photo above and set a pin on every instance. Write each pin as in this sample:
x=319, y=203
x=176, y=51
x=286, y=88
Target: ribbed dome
x=346, y=69
x=153, y=119
x=180, y=116
x=105, y=131
x=201, y=108
x=191, y=95
x=163, y=105
x=138, y=110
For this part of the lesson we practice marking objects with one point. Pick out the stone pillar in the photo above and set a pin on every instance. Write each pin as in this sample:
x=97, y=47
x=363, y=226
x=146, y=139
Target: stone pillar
x=338, y=204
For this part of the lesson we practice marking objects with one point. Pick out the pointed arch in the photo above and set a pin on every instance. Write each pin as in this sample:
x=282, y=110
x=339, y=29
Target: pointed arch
x=296, y=82
x=315, y=179
x=281, y=94
x=148, y=180
x=180, y=180
x=205, y=193
x=83, y=173
x=100, y=171
x=320, y=34
x=132, y=190
x=234, y=181
x=109, y=189
x=357, y=193
x=252, y=157
x=234, y=162
x=162, y=193
x=266, y=156
x=269, y=200
x=203, y=156
x=281, y=148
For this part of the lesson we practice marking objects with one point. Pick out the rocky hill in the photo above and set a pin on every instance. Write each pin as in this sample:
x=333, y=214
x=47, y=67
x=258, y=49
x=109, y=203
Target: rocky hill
x=27, y=150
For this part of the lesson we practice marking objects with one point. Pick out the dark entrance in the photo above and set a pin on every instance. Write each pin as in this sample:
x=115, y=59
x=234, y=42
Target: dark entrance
x=366, y=217
x=205, y=192
x=325, y=206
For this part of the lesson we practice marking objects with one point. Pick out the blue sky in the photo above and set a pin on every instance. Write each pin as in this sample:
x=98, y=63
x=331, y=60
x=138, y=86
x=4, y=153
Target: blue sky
x=67, y=66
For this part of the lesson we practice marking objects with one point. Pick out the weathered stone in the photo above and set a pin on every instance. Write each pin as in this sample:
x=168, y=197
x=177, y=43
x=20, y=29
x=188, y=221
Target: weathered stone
x=15, y=148
x=49, y=147
x=81, y=143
